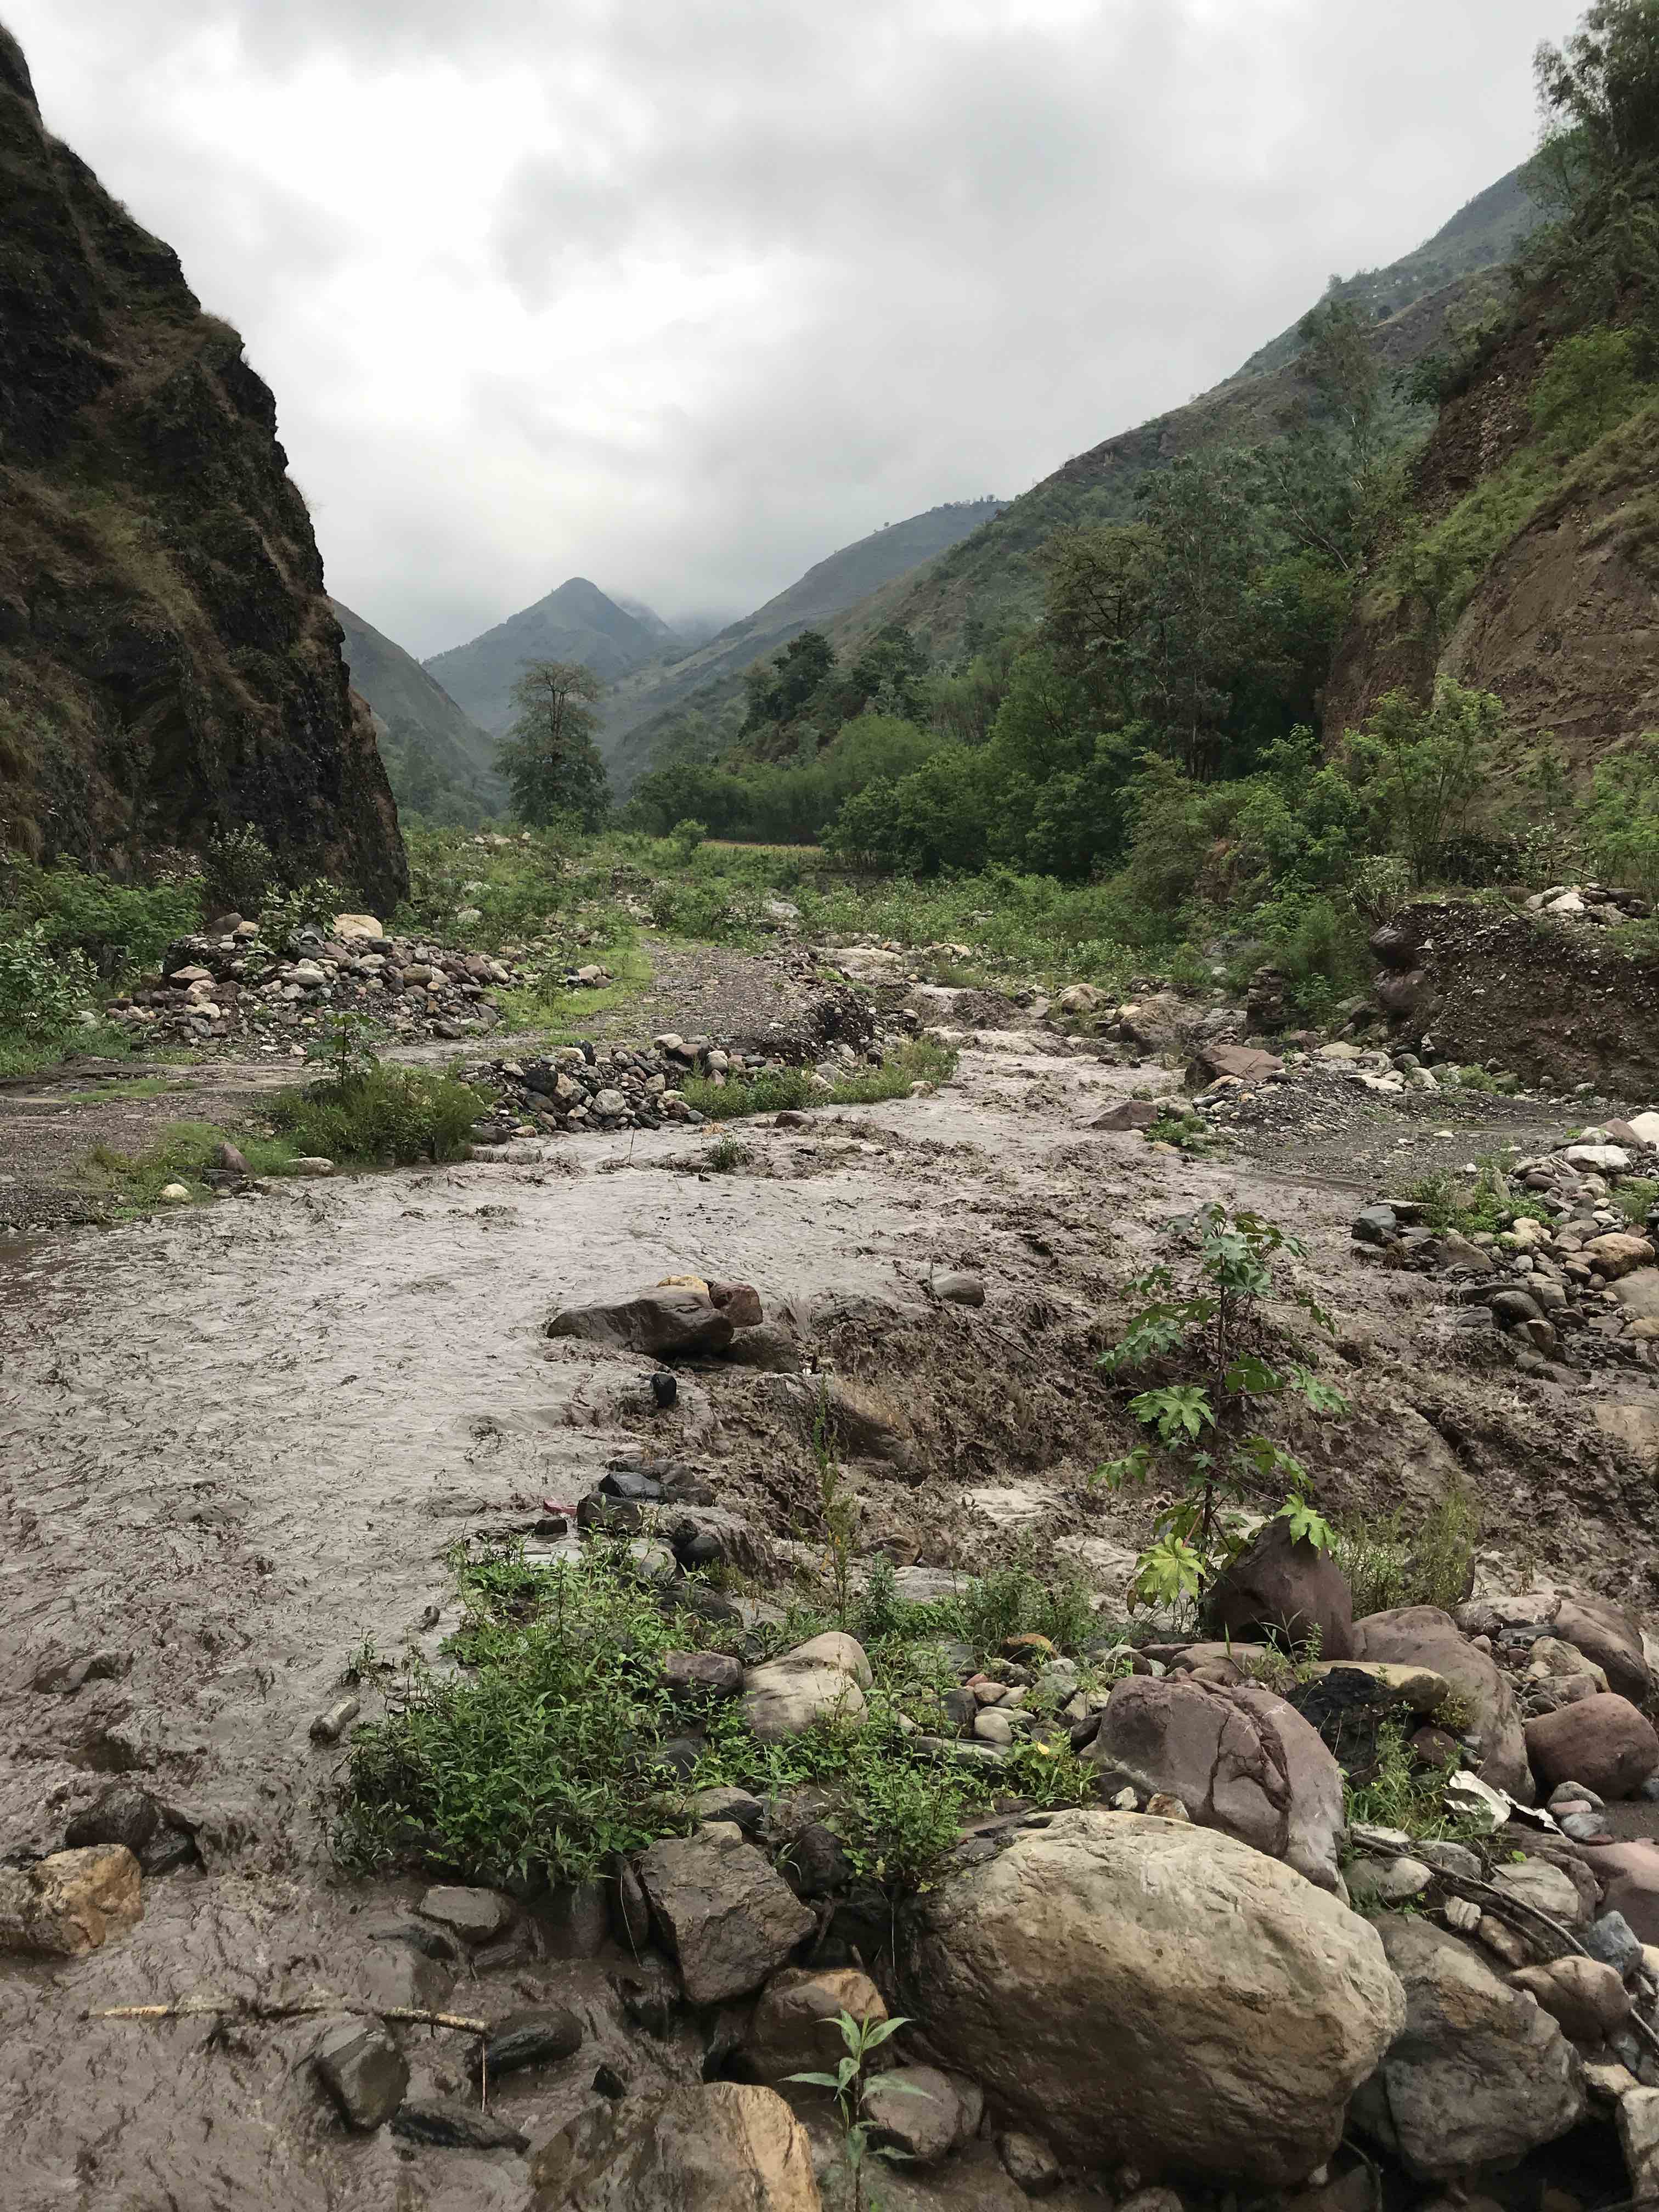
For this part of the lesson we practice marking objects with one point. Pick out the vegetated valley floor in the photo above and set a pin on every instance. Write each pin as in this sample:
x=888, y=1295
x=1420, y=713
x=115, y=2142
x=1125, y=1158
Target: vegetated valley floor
x=238, y=1439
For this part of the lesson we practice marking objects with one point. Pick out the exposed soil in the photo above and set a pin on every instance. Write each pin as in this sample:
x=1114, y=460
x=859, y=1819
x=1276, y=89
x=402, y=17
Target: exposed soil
x=240, y=1438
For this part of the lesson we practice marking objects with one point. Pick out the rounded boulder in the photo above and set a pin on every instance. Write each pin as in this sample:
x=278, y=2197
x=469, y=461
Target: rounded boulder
x=1143, y=1991
x=1601, y=1741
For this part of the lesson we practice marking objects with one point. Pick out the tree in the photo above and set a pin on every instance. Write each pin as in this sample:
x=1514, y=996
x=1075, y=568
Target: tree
x=1425, y=769
x=1600, y=94
x=549, y=756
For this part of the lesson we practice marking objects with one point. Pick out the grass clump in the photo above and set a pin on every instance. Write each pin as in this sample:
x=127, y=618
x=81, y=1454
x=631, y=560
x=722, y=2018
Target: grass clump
x=788, y=1090
x=1636, y=1198
x=1401, y=1795
x=381, y=1114
x=1388, y=1565
x=183, y=1152
x=545, y=1755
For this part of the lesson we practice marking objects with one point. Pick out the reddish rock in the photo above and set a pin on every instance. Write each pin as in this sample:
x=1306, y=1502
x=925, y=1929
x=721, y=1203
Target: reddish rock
x=1612, y=1637
x=739, y=1302
x=1283, y=1587
x=1601, y=1741
x=1247, y=1062
x=1630, y=1872
x=1239, y=1760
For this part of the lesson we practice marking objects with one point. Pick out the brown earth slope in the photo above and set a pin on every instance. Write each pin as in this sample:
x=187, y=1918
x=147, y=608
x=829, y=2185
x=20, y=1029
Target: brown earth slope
x=169, y=663
x=1562, y=620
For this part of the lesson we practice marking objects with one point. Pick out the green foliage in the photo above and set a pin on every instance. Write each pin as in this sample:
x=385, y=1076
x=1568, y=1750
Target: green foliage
x=239, y=871
x=549, y=757
x=776, y=1090
x=686, y=835
x=119, y=928
x=1016, y=1600
x=41, y=990
x=848, y=2085
x=1424, y=769
x=726, y=1156
x=1619, y=823
x=1399, y=1795
x=310, y=905
x=1200, y=1437
x=381, y=1116
x=183, y=1152
x=1388, y=1564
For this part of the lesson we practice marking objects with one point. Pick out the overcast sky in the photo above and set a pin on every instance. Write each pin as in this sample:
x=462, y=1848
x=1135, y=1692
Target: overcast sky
x=681, y=294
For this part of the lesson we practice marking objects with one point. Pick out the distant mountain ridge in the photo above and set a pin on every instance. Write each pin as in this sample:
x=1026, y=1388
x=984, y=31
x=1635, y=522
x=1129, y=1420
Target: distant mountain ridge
x=711, y=675
x=577, y=621
x=441, y=764
x=1420, y=301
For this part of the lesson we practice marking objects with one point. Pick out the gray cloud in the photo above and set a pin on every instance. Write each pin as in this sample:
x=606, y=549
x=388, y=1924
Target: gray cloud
x=683, y=294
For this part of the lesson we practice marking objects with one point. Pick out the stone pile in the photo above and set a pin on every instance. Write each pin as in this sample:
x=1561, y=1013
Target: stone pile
x=231, y=985
x=1590, y=903
x=604, y=1086
x=1582, y=1280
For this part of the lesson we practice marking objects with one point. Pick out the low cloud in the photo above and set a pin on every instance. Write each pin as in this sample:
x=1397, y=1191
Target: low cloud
x=681, y=294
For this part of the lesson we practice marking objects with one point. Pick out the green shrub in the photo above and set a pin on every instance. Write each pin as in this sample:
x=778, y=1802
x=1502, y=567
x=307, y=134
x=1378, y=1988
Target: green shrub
x=239, y=871
x=41, y=990
x=1389, y=1565
x=311, y=905
x=775, y=1091
x=183, y=1152
x=400, y=1115
x=686, y=835
x=119, y=928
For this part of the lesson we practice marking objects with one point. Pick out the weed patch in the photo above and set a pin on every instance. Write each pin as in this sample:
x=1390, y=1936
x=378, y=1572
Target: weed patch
x=397, y=1115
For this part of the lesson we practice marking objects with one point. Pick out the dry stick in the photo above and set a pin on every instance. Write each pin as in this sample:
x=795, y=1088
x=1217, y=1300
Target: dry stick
x=254, y=2008
x=1501, y=1902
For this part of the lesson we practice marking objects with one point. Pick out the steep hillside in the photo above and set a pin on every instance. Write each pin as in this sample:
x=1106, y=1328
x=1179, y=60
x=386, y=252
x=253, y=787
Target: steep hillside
x=440, y=762
x=1421, y=300
x=169, y=664
x=709, y=676
x=1523, y=568
x=575, y=623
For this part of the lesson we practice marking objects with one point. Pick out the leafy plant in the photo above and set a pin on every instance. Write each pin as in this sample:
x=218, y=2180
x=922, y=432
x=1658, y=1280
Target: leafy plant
x=239, y=870
x=305, y=906
x=839, y=1509
x=848, y=2085
x=1200, y=1434
x=381, y=1113
x=686, y=835
x=1389, y=1565
x=41, y=990
x=345, y=1047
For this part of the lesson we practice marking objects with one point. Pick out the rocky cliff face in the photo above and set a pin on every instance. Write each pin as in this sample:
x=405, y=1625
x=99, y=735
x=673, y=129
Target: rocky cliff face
x=169, y=665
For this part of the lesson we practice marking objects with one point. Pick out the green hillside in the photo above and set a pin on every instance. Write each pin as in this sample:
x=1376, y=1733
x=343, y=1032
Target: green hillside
x=440, y=764
x=575, y=623
x=1419, y=302
x=708, y=679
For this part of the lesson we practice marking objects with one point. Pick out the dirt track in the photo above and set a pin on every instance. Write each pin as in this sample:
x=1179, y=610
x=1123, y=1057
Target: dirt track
x=238, y=1440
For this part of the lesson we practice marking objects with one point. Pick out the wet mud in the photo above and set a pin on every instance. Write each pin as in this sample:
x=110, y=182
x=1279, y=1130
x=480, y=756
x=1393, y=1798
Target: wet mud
x=236, y=1441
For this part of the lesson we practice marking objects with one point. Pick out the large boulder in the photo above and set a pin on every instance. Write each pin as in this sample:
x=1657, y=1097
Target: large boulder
x=710, y=2147
x=1610, y=1635
x=667, y=1324
x=727, y=1918
x=1601, y=1741
x=71, y=1903
x=1244, y=1063
x=1239, y=1760
x=793, y=2030
x=1283, y=1587
x=1479, y=2072
x=1424, y=1635
x=823, y=1680
x=1142, y=1990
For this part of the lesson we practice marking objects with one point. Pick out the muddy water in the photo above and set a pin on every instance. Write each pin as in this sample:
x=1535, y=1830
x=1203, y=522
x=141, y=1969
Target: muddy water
x=236, y=1441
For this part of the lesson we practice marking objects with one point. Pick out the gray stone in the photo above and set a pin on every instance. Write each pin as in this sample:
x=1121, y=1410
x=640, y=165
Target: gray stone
x=450, y=2125
x=915, y=2111
x=1375, y=1224
x=1387, y=1881
x=363, y=2071
x=1239, y=1759
x=1422, y=1635
x=1612, y=1940
x=1029, y=2163
x=1479, y=2073
x=1144, y=1990
x=727, y=1918
x=662, y=1324
x=710, y=1672
x=477, y=1915
x=123, y=1813
x=823, y=1679
x=960, y=1290
x=536, y=2036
